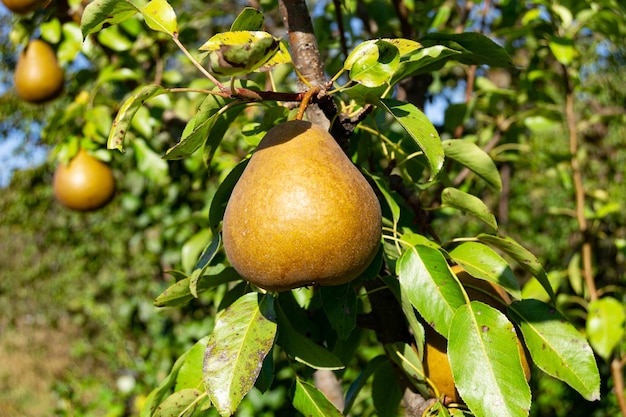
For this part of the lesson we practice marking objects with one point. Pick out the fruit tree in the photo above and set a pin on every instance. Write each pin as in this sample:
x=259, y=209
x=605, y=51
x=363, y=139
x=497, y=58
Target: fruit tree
x=348, y=251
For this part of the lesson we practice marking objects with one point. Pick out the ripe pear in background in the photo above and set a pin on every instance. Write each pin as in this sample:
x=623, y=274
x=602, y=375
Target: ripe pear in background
x=23, y=6
x=84, y=184
x=301, y=213
x=38, y=75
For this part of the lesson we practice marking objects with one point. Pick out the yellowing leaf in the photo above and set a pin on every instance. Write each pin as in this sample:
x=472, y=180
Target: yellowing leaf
x=160, y=16
x=241, y=52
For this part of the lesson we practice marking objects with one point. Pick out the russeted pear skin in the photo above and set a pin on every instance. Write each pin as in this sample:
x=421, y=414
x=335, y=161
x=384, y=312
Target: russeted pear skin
x=38, y=75
x=301, y=213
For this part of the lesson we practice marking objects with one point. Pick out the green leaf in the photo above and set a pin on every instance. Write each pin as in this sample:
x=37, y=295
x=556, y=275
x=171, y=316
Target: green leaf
x=340, y=306
x=403, y=355
x=486, y=363
x=163, y=390
x=222, y=122
x=386, y=393
x=409, y=312
x=248, y=19
x=241, y=52
x=222, y=195
x=150, y=163
x=311, y=402
x=563, y=49
x=361, y=380
x=556, y=347
x=266, y=376
x=303, y=349
x=193, y=247
x=180, y=404
x=605, y=325
x=430, y=286
x=243, y=335
x=483, y=262
x=180, y=293
x=469, y=204
x=383, y=187
x=160, y=16
x=372, y=63
x=522, y=256
x=197, y=129
x=424, y=60
x=475, y=48
x=475, y=159
x=127, y=111
x=100, y=12
x=203, y=263
x=417, y=125
x=190, y=372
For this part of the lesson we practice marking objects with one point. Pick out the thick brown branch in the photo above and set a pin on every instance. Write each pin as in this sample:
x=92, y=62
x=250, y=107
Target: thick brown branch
x=304, y=50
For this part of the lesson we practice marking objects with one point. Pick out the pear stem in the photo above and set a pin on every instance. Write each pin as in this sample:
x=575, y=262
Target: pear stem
x=305, y=101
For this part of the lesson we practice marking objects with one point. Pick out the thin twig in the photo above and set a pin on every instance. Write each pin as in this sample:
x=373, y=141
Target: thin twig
x=617, y=366
x=197, y=64
x=579, y=188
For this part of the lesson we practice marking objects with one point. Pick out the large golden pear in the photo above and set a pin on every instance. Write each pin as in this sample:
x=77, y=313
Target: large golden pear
x=301, y=214
x=38, y=75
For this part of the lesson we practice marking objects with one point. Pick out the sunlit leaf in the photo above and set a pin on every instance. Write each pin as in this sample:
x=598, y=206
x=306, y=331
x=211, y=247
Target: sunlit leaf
x=311, y=402
x=179, y=293
x=180, y=404
x=564, y=49
x=478, y=161
x=193, y=247
x=424, y=60
x=475, y=48
x=417, y=125
x=372, y=63
x=605, y=325
x=197, y=129
x=522, y=256
x=470, y=204
x=150, y=163
x=160, y=16
x=430, y=286
x=483, y=262
x=486, y=363
x=105, y=12
x=164, y=389
x=127, y=112
x=556, y=347
x=221, y=123
x=243, y=335
x=238, y=53
x=203, y=263
x=190, y=373
x=248, y=19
